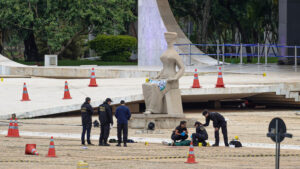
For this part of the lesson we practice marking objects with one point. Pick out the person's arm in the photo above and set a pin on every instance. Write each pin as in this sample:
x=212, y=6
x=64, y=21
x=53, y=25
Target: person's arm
x=117, y=112
x=207, y=121
x=186, y=131
x=109, y=112
x=177, y=132
x=90, y=110
x=128, y=114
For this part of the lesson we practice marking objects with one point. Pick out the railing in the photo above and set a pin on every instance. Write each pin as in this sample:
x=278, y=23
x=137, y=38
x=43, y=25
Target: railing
x=261, y=51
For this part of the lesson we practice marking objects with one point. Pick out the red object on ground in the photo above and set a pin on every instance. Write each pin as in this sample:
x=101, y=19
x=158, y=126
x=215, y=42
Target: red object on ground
x=30, y=149
x=51, y=151
x=10, y=128
x=220, y=83
x=93, y=82
x=13, y=130
x=25, y=96
x=67, y=92
x=196, y=83
x=191, y=156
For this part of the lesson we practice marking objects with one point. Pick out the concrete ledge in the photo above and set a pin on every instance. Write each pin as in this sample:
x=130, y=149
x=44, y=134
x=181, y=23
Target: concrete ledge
x=162, y=121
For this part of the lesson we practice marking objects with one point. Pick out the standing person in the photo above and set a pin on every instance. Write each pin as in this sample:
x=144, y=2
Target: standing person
x=218, y=122
x=180, y=132
x=123, y=115
x=106, y=119
x=201, y=135
x=86, y=118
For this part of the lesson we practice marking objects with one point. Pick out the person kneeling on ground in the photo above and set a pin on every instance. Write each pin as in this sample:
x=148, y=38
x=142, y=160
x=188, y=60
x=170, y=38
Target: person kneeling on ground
x=201, y=135
x=180, y=132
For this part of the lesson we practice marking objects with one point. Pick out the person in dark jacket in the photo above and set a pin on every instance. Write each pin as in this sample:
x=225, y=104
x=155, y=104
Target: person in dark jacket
x=123, y=115
x=201, y=135
x=86, y=118
x=106, y=119
x=180, y=132
x=218, y=122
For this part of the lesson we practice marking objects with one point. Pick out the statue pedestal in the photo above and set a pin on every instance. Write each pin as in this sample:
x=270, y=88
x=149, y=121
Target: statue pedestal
x=162, y=121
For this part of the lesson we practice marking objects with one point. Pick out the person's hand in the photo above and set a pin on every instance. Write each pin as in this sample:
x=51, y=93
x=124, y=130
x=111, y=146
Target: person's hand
x=216, y=129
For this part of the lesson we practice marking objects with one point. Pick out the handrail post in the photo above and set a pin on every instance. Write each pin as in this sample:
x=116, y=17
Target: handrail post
x=258, y=54
x=218, y=57
x=190, y=56
x=223, y=57
x=266, y=55
x=296, y=57
x=241, y=54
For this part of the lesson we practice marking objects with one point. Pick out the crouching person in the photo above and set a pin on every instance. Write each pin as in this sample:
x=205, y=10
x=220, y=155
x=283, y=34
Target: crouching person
x=180, y=132
x=200, y=136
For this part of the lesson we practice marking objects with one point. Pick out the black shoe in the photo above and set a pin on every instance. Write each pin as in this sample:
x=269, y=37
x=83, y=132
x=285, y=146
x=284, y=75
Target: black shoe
x=227, y=145
x=101, y=144
x=105, y=144
x=215, y=145
x=91, y=144
x=125, y=145
x=119, y=145
x=83, y=144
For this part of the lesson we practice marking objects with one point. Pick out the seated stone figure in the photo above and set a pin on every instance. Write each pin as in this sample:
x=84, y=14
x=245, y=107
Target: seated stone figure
x=166, y=83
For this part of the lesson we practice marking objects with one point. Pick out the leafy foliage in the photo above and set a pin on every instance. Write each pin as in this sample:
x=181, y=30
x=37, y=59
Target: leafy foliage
x=114, y=48
x=58, y=23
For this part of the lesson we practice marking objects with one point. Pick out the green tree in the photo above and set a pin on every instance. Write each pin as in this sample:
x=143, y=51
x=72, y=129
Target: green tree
x=58, y=23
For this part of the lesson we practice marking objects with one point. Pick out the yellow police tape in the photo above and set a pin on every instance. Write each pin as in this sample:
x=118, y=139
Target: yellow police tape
x=163, y=157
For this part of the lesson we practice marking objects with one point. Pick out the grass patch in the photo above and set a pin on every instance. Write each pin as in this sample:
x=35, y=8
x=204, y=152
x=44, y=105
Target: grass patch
x=79, y=62
x=254, y=60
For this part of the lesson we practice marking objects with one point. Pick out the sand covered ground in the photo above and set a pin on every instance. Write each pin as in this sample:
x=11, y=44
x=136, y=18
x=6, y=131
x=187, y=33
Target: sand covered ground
x=250, y=125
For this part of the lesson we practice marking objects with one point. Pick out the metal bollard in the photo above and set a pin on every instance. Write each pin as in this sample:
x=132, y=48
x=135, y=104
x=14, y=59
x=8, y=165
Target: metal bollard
x=241, y=54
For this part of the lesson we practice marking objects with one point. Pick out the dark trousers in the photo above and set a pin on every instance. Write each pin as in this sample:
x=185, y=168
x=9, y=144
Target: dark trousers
x=122, y=128
x=224, y=131
x=104, y=133
x=199, y=138
x=175, y=137
x=86, y=128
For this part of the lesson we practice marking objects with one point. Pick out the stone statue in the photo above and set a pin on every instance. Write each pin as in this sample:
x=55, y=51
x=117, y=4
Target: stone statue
x=162, y=94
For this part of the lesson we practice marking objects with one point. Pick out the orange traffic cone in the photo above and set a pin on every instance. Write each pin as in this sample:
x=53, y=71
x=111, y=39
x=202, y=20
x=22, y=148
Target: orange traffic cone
x=51, y=151
x=10, y=129
x=191, y=156
x=220, y=83
x=93, y=82
x=30, y=149
x=25, y=96
x=16, y=129
x=67, y=92
x=196, y=83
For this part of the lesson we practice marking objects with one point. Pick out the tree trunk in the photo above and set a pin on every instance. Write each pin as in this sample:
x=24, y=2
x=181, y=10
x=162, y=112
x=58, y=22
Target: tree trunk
x=31, y=50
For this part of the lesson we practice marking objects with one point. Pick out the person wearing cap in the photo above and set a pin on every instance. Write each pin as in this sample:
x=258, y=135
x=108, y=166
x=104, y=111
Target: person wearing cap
x=106, y=120
x=123, y=115
x=86, y=118
x=201, y=135
x=218, y=122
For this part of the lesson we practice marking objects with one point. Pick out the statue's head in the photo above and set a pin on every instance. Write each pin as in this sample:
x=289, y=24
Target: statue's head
x=170, y=37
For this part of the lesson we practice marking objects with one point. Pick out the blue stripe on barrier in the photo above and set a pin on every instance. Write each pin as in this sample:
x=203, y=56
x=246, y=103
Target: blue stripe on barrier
x=51, y=146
